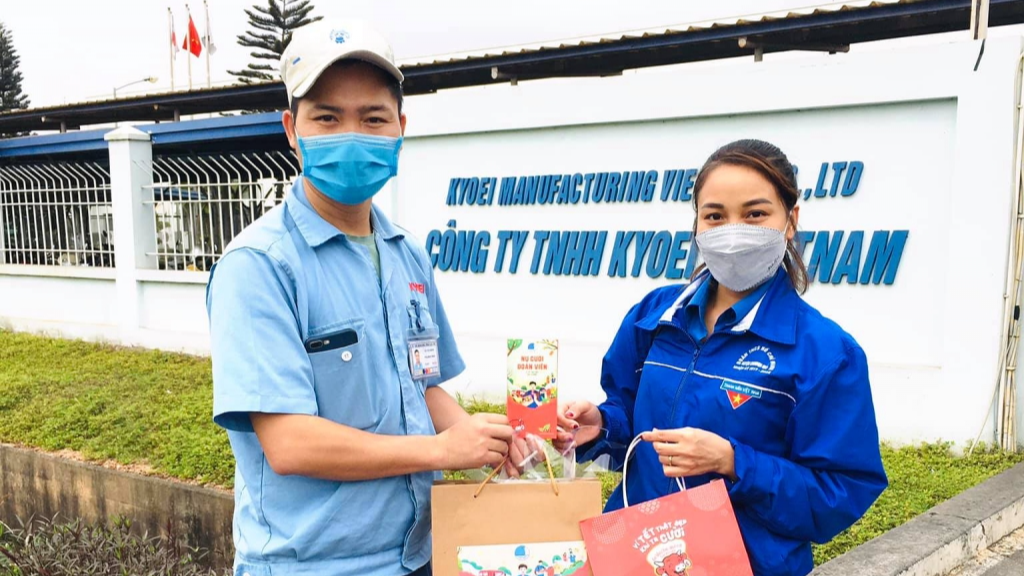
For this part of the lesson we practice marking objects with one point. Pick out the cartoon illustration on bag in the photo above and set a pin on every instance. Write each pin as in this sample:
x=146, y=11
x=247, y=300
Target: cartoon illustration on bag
x=542, y=559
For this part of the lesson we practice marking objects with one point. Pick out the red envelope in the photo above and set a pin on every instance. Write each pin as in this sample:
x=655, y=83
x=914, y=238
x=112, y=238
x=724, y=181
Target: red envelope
x=532, y=403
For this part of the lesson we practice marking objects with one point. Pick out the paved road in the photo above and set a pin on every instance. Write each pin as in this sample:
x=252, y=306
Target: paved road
x=1004, y=558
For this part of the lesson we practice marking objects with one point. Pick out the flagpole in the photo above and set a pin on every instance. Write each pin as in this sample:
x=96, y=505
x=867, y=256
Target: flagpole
x=206, y=7
x=188, y=34
x=174, y=42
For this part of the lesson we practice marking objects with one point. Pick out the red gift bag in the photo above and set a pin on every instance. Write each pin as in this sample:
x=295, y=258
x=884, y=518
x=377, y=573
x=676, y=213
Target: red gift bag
x=690, y=533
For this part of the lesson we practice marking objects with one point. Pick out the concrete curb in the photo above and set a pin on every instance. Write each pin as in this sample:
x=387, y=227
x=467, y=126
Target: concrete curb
x=942, y=538
x=34, y=483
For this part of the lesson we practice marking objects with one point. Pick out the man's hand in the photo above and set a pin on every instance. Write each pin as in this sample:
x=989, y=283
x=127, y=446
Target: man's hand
x=478, y=441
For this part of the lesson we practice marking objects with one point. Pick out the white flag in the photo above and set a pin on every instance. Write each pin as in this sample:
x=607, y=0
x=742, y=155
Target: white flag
x=208, y=40
x=174, y=37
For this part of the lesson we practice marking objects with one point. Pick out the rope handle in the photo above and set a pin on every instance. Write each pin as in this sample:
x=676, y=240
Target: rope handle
x=625, y=465
x=551, y=476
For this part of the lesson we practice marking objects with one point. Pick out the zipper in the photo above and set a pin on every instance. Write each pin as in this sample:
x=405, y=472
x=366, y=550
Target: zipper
x=698, y=348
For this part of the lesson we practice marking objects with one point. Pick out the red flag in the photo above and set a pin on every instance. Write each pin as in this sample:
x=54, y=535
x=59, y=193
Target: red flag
x=192, y=43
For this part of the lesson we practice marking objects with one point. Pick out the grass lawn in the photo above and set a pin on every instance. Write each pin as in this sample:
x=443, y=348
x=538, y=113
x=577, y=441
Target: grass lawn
x=153, y=410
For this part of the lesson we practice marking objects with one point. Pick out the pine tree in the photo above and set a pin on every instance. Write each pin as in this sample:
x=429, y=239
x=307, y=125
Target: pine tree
x=11, y=96
x=272, y=27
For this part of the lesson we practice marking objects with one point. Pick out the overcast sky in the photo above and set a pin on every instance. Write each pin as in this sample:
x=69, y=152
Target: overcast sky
x=74, y=50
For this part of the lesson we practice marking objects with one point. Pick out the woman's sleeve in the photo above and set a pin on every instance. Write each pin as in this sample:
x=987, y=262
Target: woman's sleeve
x=620, y=378
x=834, y=470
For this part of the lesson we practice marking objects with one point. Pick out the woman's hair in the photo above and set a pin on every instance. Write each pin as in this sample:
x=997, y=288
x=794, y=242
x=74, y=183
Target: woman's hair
x=772, y=164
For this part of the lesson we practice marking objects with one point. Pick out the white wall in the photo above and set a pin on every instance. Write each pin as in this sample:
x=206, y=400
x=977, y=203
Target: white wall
x=44, y=300
x=935, y=137
x=173, y=311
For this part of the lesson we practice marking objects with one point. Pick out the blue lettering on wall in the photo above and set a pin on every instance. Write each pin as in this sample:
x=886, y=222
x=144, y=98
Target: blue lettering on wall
x=519, y=240
x=833, y=260
x=574, y=253
x=504, y=236
x=836, y=257
x=617, y=265
x=611, y=187
x=678, y=185
x=659, y=251
x=689, y=179
x=540, y=237
x=433, y=242
x=508, y=187
x=837, y=172
x=557, y=245
x=589, y=181
x=884, y=256
x=597, y=193
x=471, y=191
x=801, y=239
x=820, y=191
x=853, y=178
x=823, y=257
x=668, y=182
x=643, y=242
x=574, y=188
x=849, y=262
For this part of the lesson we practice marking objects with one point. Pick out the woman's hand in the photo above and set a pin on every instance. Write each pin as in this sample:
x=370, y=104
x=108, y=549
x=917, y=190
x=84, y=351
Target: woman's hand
x=579, y=421
x=692, y=452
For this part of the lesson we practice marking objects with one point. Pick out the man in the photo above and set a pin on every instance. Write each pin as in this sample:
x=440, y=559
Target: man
x=417, y=367
x=313, y=312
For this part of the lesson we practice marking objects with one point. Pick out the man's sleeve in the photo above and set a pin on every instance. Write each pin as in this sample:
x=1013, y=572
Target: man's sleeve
x=259, y=360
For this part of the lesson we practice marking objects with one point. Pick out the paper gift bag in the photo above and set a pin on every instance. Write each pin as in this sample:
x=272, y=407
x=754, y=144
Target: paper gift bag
x=512, y=528
x=689, y=533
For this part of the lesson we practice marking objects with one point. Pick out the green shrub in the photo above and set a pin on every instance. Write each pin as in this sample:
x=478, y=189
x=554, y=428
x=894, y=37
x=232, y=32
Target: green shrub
x=42, y=547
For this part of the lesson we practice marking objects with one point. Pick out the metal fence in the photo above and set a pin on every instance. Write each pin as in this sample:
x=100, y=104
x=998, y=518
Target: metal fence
x=56, y=214
x=202, y=202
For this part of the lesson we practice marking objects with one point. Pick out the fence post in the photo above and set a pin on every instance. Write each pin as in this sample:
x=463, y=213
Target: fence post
x=131, y=161
x=3, y=225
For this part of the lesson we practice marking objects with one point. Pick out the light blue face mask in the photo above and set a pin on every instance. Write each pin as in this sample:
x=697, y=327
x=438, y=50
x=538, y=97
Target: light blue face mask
x=349, y=168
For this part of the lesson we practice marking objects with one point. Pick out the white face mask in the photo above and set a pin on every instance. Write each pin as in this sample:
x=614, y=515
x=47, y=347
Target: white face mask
x=742, y=256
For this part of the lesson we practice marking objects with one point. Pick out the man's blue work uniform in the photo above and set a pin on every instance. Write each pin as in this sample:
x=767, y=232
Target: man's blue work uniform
x=287, y=279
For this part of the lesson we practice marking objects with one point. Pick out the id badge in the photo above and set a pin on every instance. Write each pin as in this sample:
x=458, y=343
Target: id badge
x=424, y=357
x=424, y=360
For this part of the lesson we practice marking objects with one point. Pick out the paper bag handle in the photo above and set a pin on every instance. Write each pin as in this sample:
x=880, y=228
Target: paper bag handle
x=625, y=465
x=551, y=476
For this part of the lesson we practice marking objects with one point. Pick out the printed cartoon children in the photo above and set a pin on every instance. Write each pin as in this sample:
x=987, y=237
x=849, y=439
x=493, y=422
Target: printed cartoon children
x=670, y=559
x=533, y=395
x=567, y=559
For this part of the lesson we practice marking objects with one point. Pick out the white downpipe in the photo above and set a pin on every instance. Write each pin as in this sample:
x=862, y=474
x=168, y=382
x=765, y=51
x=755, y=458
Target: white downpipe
x=1005, y=394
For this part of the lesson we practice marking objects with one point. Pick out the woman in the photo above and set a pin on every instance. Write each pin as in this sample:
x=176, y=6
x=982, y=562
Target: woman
x=737, y=377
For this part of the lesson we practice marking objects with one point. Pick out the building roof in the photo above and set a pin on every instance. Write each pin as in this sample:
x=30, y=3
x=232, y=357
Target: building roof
x=832, y=27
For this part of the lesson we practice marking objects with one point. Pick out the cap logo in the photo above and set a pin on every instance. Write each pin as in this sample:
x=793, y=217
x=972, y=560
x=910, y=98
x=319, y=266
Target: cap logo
x=339, y=36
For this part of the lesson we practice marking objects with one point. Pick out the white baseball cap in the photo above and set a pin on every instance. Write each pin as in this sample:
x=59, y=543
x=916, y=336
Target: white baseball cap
x=315, y=46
